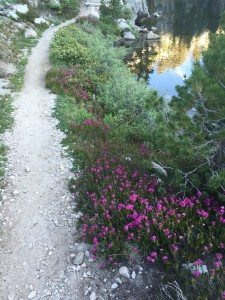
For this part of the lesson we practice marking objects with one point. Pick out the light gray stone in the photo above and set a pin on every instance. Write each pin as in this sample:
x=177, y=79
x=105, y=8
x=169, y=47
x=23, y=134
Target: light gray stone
x=11, y=297
x=40, y=21
x=21, y=8
x=159, y=169
x=129, y=36
x=124, y=271
x=79, y=258
x=82, y=247
x=32, y=295
x=12, y=14
x=156, y=14
x=123, y=24
x=30, y=33
x=93, y=296
x=133, y=275
x=118, y=280
x=138, y=6
x=202, y=269
x=114, y=286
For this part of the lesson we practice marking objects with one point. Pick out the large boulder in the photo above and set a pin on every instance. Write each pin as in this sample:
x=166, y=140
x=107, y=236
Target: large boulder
x=138, y=6
x=21, y=8
x=40, y=20
x=129, y=36
x=122, y=24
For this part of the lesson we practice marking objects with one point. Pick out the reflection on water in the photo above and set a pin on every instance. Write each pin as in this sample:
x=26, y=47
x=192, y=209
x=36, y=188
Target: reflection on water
x=184, y=28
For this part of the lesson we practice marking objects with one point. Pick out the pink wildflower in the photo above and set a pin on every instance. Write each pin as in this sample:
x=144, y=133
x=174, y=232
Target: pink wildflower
x=150, y=259
x=153, y=237
x=133, y=197
x=196, y=273
x=198, y=262
x=219, y=255
x=217, y=264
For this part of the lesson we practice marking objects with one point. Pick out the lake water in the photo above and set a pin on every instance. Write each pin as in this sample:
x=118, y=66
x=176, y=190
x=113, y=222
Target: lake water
x=184, y=27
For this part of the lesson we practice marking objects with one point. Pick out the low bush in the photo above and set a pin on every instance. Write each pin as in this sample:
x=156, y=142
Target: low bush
x=125, y=211
x=69, y=82
x=5, y=112
x=89, y=19
x=69, y=47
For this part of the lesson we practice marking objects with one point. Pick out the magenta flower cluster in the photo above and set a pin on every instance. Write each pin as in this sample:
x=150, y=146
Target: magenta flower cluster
x=69, y=82
x=124, y=209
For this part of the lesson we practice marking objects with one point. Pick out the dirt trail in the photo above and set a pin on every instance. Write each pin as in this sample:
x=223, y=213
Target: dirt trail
x=37, y=220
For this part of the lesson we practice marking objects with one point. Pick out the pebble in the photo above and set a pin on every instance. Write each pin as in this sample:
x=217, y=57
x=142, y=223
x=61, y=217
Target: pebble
x=114, y=286
x=87, y=291
x=118, y=280
x=133, y=275
x=48, y=293
x=87, y=254
x=124, y=271
x=11, y=297
x=32, y=295
x=93, y=296
x=82, y=247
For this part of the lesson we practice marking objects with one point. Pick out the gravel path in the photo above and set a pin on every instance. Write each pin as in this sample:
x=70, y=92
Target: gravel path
x=37, y=220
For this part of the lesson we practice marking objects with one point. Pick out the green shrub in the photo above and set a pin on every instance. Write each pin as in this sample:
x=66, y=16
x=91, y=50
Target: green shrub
x=69, y=47
x=88, y=19
x=5, y=112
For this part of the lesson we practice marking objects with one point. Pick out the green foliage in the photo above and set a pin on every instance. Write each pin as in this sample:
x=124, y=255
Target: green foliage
x=88, y=19
x=54, y=6
x=108, y=25
x=17, y=80
x=70, y=4
x=5, y=123
x=5, y=112
x=69, y=47
x=68, y=113
x=204, y=92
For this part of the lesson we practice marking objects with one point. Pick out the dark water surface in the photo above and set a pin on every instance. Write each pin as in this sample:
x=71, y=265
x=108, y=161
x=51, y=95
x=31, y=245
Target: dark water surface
x=184, y=27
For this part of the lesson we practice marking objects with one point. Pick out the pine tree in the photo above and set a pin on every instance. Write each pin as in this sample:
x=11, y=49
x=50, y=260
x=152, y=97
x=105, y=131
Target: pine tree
x=198, y=113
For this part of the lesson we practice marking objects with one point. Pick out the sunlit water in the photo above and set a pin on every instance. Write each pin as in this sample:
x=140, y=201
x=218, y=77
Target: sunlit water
x=184, y=27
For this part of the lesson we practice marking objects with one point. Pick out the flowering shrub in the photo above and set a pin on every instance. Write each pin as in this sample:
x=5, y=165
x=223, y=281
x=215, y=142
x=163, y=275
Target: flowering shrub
x=126, y=212
x=69, y=81
x=91, y=129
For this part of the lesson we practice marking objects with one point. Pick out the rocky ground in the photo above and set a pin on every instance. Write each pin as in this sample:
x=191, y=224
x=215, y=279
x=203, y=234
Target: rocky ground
x=40, y=257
